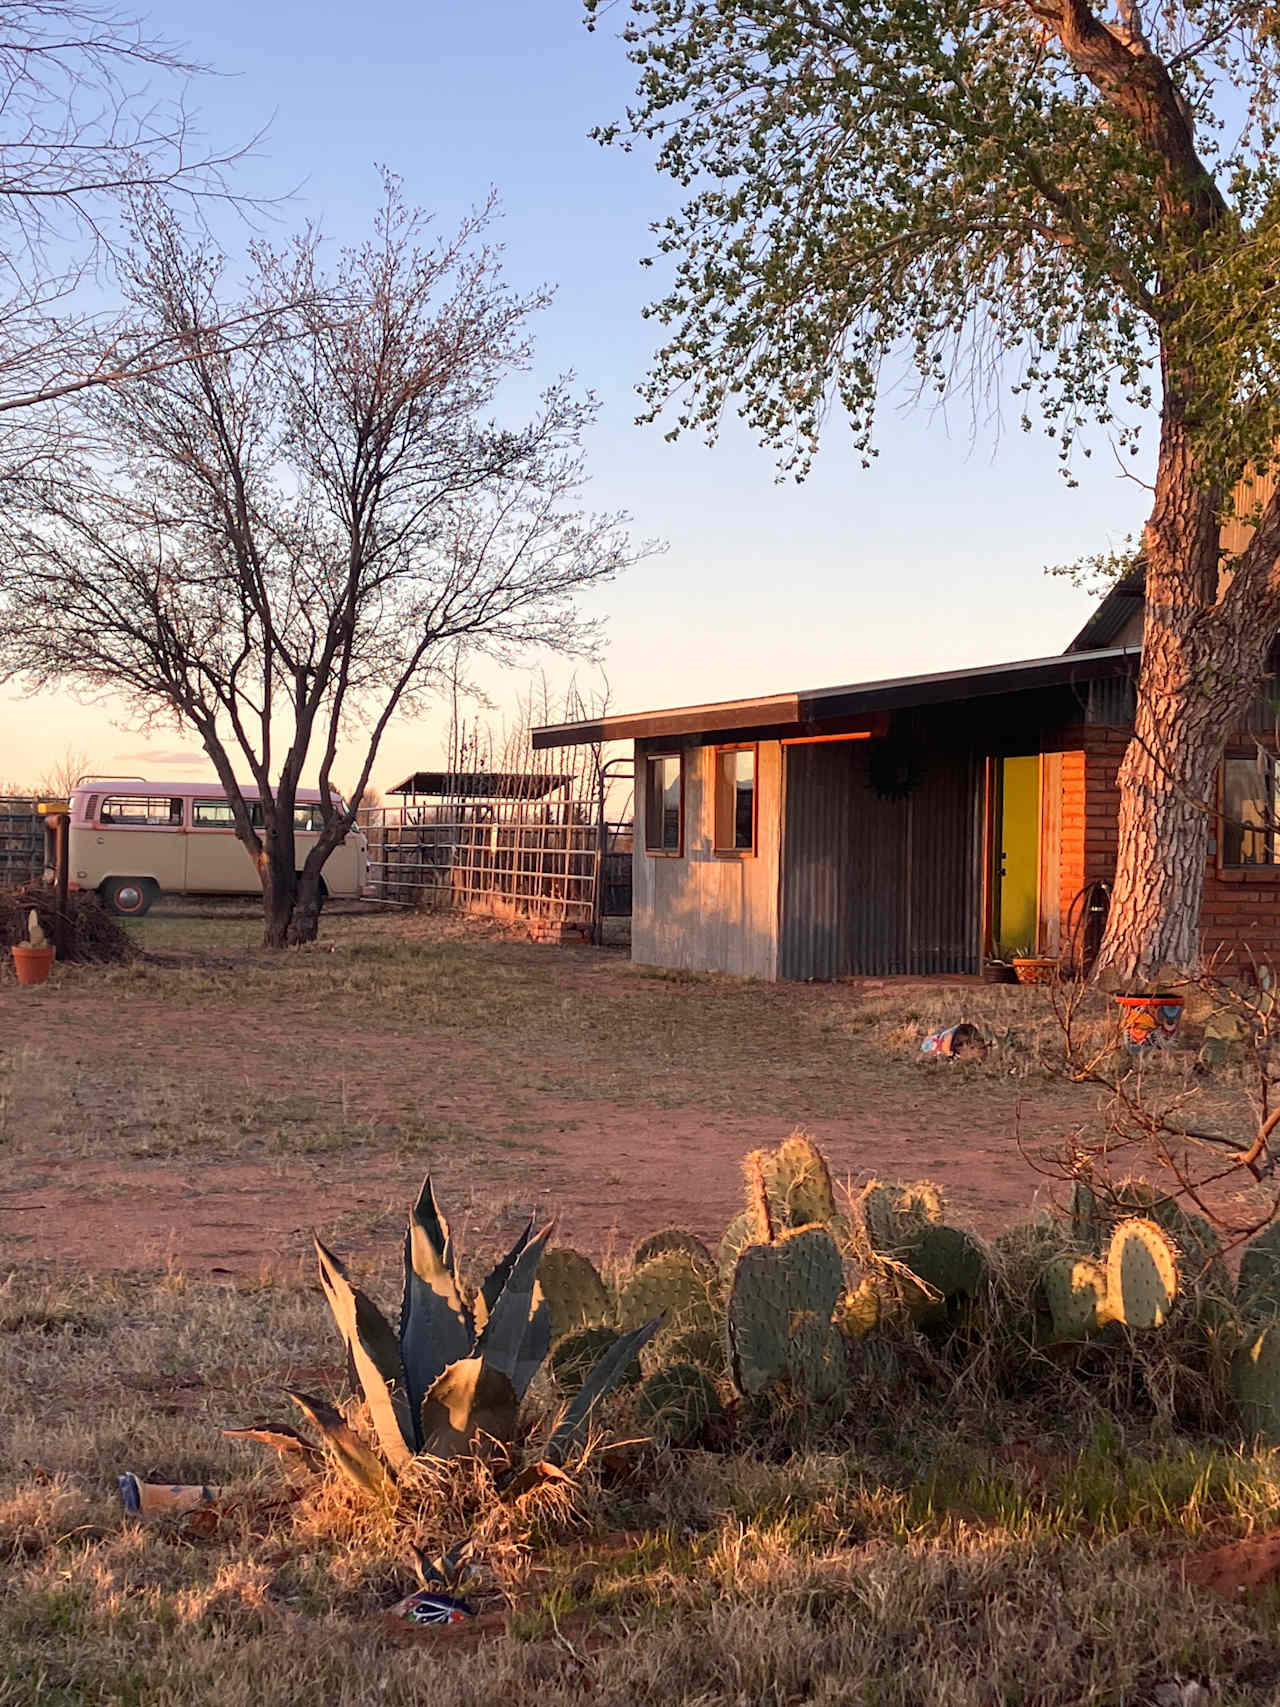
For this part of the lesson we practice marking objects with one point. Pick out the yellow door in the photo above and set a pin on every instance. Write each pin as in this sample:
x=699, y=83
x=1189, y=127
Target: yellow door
x=1019, y=852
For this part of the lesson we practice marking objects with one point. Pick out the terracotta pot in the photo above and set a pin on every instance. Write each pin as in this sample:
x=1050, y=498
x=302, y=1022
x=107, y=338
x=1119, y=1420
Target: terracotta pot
x=31, y=964
x=1149, y=1022
x=1034, y=969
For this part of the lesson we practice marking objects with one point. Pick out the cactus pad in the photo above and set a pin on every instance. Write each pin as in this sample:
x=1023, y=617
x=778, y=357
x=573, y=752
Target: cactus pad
x=1075, y=1290
x=1255, y=1381
x=671, y=1285
x=949, y=1261
x=737, y=1236
x=1142, y=1274
x=678, y=1401
x=816, y=1367
x=894, y=1216
x=801, y=1183
x=858, y=1313
x=800, y=1273
x=573, y=1289
x=671, y=1239
x=1259, y=1287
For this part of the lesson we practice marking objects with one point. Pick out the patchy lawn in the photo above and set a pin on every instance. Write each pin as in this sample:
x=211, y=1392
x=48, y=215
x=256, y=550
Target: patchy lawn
x=172, y=1130
x=215, y=1106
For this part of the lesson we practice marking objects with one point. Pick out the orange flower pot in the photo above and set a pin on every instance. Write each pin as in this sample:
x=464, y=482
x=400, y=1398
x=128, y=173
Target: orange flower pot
x=31, y=964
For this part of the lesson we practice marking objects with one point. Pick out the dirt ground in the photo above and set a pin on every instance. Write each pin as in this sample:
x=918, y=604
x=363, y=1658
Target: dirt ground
x=208, y=1112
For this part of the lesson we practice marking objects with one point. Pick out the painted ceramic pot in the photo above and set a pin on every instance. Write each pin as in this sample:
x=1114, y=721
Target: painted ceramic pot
x=1149, y=1022
x=1034, y=969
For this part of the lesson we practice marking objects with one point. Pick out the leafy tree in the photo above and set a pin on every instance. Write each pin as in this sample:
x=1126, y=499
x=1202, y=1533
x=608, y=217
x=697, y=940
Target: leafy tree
x=1080, y=202
x=282, y=543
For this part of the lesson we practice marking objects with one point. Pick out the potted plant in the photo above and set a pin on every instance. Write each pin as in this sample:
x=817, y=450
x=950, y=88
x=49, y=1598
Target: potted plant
x=33, y=958
x=1032, y=968
x=1149, y=1021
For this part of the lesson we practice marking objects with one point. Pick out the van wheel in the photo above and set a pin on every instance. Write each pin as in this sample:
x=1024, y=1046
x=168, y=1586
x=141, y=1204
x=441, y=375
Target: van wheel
x=129, y=896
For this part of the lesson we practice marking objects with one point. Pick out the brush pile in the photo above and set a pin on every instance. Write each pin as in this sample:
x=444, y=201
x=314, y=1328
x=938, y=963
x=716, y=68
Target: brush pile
x=92, y=934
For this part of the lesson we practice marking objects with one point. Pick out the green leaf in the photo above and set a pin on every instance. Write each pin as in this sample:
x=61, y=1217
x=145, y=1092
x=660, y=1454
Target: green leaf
x=435, y=1326
x=503, y=1342
x=492, y=1284
x=470, y=1404
x=375, y=1354
x=348, y=1451
x=605, y=1376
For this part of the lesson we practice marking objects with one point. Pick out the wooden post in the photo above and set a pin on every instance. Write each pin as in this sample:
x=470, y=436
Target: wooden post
x=61, y=874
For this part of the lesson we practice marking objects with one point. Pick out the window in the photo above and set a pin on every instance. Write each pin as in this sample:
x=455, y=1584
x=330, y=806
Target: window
x=213, y=815
x=735, y=775
x=1250, y=811
x=664, y=804
x=141, y=812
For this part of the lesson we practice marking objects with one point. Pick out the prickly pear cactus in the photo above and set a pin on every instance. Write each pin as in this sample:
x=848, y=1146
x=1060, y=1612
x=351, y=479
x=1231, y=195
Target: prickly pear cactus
x=816, y=1367
x=1255, y=1381
x=800, y=1272
x=673, y=1285
x=800, y=1183
x=949, y=1261
x=757, y=1319
x=756, y=1166
x=576, y=1354
x=1087, y=1228
x=894, y=1216
x=671, y=1239
x=1142, y=1274
x=1075, y=1290
x=703, y=1346
x=573, y=1289
x=677, y=1402
x=858, y=1312
x=1258, y=1291
x=738, y=1235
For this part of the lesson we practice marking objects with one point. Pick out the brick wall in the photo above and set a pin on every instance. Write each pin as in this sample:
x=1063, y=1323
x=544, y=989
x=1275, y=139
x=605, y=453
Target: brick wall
x=1240, y=915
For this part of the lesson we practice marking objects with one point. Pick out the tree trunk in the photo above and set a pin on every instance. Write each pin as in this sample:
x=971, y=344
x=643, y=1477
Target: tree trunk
x=305, y=924
x=279, y=897
x=1199, y=672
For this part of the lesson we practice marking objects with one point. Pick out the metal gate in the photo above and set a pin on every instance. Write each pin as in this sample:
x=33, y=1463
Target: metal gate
x=873, y=884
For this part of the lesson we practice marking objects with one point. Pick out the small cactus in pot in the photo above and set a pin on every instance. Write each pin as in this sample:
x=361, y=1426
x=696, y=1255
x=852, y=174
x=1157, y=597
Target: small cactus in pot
x=33, y=957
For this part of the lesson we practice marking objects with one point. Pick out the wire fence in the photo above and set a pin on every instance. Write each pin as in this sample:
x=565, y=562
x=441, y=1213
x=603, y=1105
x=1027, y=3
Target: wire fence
x=22, y=854
x=551, y=863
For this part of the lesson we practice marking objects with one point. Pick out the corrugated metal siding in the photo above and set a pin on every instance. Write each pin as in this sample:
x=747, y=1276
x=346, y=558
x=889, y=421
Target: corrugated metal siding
x=873, y=885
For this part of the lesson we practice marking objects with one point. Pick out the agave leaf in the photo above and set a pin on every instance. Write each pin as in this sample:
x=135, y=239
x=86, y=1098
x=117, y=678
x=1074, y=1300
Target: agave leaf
x=281, y=1438
x=435, y=1326
x=492, y=1284
x=502, y=1342
x=535, y=1345
x=470, y=1402
x=606, y=1374
x=375, y=1352
x=349, y=1452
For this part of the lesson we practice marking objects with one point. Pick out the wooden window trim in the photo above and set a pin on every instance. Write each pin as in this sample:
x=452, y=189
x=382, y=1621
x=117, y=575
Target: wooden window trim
x=676, y=852
x=1248, y=875
x=752, y=747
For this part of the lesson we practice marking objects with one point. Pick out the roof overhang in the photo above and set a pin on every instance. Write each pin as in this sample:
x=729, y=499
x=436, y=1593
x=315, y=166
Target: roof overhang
x=857, y=708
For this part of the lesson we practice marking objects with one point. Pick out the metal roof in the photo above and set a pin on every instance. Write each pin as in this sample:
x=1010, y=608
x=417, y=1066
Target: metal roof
x=481, y=785
x=1112, y=612
x=815, y=707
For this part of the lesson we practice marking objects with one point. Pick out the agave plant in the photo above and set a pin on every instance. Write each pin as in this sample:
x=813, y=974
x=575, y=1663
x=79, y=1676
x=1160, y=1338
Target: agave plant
x=451, y=1383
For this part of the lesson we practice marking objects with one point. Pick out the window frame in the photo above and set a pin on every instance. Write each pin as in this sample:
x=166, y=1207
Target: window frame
x=752, y=747
x=1244, y=873
x=168, y=827
x=677, y=852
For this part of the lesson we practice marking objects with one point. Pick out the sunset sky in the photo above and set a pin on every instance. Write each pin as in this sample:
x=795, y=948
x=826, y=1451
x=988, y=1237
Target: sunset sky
x=932, y=559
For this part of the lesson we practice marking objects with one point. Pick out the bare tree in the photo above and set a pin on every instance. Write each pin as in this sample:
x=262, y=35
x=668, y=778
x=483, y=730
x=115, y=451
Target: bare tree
x=282, y=542
x=60, y=776
x=83, y=132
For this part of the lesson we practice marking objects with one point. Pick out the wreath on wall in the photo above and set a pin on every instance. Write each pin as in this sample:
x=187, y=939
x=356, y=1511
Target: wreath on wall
x=896, y=765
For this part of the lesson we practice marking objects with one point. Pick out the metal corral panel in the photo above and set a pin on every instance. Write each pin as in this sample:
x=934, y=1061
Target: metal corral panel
x=872, y=885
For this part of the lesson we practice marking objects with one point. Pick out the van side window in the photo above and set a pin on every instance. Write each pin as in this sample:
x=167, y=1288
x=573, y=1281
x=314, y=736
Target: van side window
x=141, y=812
x=212, y=815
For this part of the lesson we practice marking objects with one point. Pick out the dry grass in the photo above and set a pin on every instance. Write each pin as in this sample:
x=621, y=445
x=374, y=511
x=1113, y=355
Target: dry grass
x=965, y=1555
